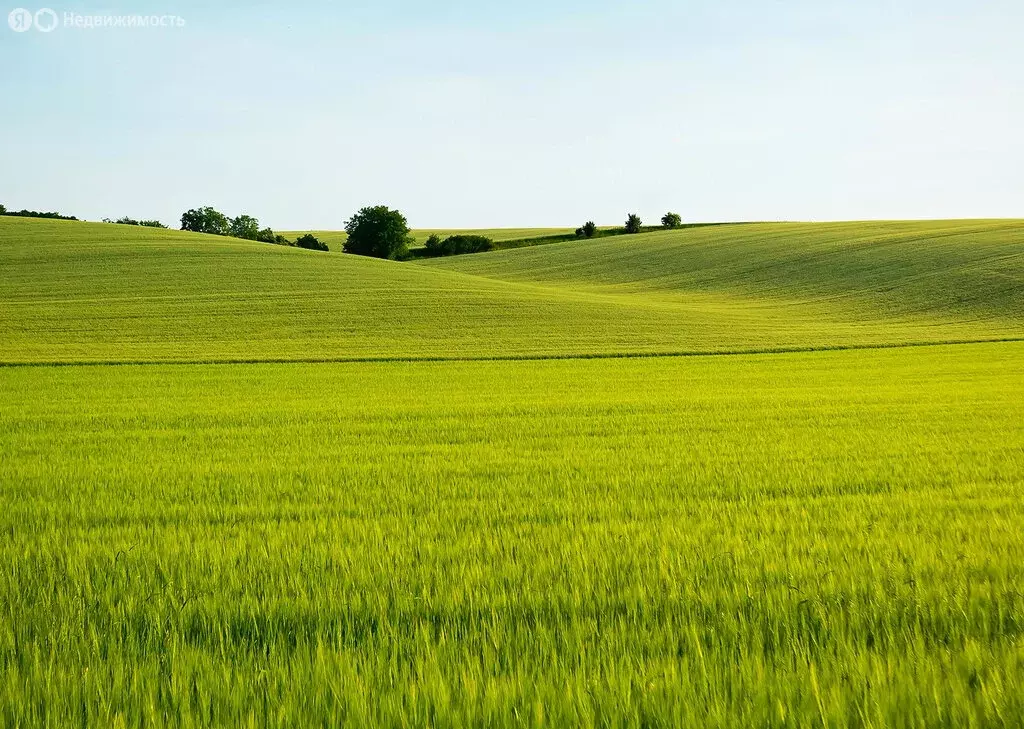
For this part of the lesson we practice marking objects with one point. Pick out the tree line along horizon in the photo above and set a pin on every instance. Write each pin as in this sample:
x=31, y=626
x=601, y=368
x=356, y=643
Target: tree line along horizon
x=376, y=231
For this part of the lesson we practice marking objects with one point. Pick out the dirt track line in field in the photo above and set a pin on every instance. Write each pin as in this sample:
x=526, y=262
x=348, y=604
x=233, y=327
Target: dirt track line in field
x=506, y=358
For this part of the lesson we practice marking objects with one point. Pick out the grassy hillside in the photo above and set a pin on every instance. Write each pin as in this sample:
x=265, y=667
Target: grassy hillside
x=958, y=270
x=80, y=292
x=828, y=539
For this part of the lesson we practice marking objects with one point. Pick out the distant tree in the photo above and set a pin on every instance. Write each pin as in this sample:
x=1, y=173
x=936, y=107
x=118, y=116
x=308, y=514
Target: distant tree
x=152, y=224
x=589, y=229
x=378, y=231
x=245, y=227
x=126, y=221
x=309, y=242
x=579, y=233
x=281, y=240
x=433, y=242
x=633, y=223
x=3, y=210
x=205, y=220
x=671, y=220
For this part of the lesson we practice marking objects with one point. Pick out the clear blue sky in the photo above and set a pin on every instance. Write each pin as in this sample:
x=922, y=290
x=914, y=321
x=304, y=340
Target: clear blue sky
x=528, y=113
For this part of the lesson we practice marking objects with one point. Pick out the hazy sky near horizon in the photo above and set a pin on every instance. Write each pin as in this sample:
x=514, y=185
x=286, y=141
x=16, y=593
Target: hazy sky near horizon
x=479, y=114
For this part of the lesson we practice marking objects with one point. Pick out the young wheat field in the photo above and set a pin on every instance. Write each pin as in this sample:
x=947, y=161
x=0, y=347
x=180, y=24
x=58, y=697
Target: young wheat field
x=765, y=475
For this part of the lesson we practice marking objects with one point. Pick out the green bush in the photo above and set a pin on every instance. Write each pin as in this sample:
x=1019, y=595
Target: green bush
x=132, y=221
x=266, y=236
x=311, y=243
x=457, y=245
x=633, y=223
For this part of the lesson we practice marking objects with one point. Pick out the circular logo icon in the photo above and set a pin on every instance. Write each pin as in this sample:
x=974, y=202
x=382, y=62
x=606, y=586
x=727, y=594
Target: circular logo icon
x=46, y=20
x=20, y=20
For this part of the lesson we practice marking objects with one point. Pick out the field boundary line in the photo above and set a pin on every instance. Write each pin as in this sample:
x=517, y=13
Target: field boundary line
x=505, y=358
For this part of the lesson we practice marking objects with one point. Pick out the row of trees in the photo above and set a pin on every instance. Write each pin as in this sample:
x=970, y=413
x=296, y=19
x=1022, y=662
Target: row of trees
x=57, y=216
x=633, y=225
x=376, y=231
x=34, y=214
x=213, y=222
x=132, y=221
x=381, y=232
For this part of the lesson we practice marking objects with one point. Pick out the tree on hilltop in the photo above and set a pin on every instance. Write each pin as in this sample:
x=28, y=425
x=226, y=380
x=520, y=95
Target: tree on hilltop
x=379, y=232
x=245, y=227
x=633, y=223
x=672, y=220
x=205, y=220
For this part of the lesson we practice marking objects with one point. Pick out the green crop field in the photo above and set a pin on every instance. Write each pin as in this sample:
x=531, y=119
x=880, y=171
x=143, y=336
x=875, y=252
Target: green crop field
x=762, y=475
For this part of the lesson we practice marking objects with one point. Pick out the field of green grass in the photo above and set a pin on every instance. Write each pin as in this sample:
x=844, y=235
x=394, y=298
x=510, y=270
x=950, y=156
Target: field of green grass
x=271, y=487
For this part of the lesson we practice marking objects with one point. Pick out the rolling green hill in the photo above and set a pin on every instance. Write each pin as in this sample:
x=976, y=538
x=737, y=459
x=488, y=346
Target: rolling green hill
x=81, y=292
x=956, y=270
